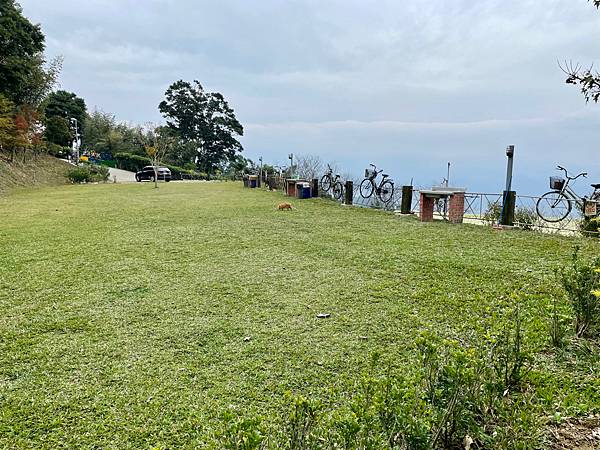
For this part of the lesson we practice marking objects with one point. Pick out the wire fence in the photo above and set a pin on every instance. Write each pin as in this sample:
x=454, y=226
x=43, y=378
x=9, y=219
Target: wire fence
x=480, y=209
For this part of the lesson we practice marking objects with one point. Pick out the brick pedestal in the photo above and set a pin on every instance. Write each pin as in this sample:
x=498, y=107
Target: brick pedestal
x=426, y=212
x=456, y=208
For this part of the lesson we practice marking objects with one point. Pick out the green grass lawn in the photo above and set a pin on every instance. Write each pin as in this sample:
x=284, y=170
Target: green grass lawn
x=134, y=317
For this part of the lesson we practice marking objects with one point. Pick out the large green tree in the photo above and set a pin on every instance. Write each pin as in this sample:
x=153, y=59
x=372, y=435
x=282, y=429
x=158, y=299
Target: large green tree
x=65, y=104
x=588, y=79
x=24, y=79
x=59, y=108
x=58, y=131
x=204, y=121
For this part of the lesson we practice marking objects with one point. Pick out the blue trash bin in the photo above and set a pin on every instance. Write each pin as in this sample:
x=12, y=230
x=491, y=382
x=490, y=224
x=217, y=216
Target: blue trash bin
x=303, y=190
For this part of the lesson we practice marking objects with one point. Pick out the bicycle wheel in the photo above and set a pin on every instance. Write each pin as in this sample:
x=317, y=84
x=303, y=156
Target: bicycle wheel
x=553, y=206
x=386, y=191
x=338, y=190
x=325, y=183
x=366, y=188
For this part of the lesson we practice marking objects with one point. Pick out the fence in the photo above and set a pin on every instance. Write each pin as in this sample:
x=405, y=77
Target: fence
x=480, y=209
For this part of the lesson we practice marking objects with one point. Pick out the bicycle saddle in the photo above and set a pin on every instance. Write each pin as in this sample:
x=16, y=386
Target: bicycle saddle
x=596, y=186
x=384, y=175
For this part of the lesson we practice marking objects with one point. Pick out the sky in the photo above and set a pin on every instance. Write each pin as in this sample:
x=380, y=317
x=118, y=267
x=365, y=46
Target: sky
x=408, y=85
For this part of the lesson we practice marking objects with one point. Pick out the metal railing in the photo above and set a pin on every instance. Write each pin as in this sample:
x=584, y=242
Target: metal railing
x=480, y=208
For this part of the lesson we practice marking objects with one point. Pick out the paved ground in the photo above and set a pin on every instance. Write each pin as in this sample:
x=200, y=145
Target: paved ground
x=123, y=176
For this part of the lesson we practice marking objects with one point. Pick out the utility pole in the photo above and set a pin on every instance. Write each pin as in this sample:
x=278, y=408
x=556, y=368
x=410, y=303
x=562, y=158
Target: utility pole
x=260, y=171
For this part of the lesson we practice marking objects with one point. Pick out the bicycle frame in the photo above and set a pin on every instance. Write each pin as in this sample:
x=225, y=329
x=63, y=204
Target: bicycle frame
x=571, y=194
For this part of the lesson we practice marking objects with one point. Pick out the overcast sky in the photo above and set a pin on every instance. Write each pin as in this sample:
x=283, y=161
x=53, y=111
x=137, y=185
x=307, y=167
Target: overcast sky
x=408, y=85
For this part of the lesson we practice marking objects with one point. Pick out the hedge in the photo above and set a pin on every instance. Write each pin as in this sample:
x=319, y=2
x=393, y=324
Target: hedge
x=133, y=163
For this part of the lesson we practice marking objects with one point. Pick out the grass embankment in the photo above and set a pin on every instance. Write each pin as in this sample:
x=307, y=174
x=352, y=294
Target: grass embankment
x=133, y=317
x=39, y=171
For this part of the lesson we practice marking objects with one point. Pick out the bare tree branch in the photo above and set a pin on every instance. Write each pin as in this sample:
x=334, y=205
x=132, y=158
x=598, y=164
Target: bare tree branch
x=588, y=79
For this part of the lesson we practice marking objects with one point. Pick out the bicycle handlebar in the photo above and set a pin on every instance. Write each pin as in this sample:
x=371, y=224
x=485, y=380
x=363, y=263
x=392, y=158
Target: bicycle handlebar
x=372, y=165
x=582, y=174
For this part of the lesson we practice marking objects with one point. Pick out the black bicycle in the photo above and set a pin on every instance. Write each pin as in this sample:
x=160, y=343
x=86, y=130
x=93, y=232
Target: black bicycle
x=329, y=181
x=557, y=204
x=384, y=190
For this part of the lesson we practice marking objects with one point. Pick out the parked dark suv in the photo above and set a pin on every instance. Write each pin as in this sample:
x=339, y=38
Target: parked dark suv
x=147, y=173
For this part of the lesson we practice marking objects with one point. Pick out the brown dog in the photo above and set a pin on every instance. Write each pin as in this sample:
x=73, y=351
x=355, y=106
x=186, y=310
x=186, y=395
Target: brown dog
x=283, y=206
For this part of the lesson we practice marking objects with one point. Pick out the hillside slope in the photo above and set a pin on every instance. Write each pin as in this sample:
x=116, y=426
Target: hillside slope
x=41, y=171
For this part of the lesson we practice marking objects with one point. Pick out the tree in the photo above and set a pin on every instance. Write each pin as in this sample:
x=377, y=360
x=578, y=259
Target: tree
x=8, y=129
x=204, y=120
x=58, y=131
x=309, y=167
x=157, y=142
x=588, y=79
x=65, y=105
x=24, y=79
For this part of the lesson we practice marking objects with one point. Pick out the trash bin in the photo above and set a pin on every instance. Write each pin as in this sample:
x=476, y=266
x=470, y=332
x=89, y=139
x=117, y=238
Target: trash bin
x=303, y=190
x=252, y=181
x=245, y=180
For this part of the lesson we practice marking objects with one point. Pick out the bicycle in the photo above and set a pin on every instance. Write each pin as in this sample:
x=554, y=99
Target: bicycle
x=557, y=204
x=329, y=181
x=385, y=189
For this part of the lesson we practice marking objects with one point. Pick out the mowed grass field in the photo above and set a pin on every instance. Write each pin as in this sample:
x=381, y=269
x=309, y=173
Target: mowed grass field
x=133, y=317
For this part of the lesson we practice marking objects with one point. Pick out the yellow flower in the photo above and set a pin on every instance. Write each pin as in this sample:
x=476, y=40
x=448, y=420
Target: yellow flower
x=596, y=293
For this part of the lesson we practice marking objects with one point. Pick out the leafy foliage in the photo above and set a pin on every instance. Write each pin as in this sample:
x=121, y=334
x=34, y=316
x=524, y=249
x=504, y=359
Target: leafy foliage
x=59, y=108
x=58, y=131
x=203, y=120
x=21, y=43
x=88, y=173
x=588, y=79
x=579, y=280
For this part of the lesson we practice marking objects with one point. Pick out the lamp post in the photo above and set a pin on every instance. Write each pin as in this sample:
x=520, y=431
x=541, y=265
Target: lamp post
x=76, y=141
x=291, y=158
x=507, y=215
x=260, y=176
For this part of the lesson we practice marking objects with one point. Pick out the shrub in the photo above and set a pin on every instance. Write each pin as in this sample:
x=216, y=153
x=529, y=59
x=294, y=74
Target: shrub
x=240, y=433
x=133, y=163
x=525, y=217
x=590, y=226
x=580, y=279
x=492, y=215
x=57, y=150
x=451, y=395
x=88, y=173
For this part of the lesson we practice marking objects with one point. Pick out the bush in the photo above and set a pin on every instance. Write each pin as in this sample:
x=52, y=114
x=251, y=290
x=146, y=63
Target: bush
x=590, y=227
x=88, y=173
x=133, y=163
x=525, y=217
x=580, y=279
x=57, y=150
x=449, y=395
x=492, y=215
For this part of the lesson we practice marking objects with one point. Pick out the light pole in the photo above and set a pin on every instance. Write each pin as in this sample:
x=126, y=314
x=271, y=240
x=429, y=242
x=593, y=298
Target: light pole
x=260, y=171
x=76, y=141
x=291, y=158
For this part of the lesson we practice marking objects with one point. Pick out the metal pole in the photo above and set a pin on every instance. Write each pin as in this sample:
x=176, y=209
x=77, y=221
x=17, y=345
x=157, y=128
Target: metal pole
x=510, y=152
x=448, y=176
x=507, y=213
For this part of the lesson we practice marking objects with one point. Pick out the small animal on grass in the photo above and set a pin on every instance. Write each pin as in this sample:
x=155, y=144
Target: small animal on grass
x=283, y=206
